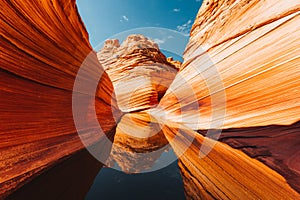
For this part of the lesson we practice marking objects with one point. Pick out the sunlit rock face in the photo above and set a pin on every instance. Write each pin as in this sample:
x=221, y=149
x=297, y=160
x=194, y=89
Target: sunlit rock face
x=43, y=44
x=139, y=71
x=248, y=50
x=176, y=63
x=240, y=73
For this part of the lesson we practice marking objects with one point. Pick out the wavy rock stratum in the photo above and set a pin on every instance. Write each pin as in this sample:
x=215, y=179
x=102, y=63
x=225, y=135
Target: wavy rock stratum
x=246, y=52
x=43, y=44
x=139, y=66
x=240, y=73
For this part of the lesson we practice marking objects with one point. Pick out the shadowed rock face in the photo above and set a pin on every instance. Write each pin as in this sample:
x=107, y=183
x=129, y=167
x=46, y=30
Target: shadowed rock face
x=225, y=173
x=275, y=146
x=239, y=74
x=139, y=66
x=42, y=46
x=70, y=179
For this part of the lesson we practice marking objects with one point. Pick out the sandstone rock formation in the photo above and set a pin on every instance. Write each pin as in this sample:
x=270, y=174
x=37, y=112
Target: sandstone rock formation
x=240, y=73
x=139, y=66
x=42, y=46
x=246, y=52
x=276, y=146
x=141, y=74
x=225, y=173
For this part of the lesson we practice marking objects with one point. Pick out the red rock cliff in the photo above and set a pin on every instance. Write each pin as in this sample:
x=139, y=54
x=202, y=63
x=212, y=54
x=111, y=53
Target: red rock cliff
x=42, y=46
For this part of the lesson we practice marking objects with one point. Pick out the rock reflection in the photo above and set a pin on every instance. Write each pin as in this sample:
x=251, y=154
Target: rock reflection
x=226, y=173
x=229, y=171
x=138, y=144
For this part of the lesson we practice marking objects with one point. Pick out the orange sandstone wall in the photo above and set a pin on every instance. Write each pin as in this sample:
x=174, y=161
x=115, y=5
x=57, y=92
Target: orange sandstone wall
x=250, y=51
x=42, y=46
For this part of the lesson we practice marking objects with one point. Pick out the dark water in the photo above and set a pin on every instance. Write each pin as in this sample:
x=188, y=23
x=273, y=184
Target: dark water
x=83, y=177
x=162, y=184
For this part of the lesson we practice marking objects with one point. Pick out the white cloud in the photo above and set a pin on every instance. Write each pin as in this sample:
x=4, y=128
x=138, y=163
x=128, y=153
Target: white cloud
x=170, y=37
x=124, y=18
x=176, y=10
x=198, y=0
x=159, y=41
x=185, y=28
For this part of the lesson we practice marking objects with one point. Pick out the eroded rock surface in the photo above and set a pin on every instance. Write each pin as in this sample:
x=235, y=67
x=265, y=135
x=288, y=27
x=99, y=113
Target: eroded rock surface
x=42, y=46
x=225, y=172
x=247, y=53
x=244, y=51
x=140, y=73
x=239, y=73
x=276, y=146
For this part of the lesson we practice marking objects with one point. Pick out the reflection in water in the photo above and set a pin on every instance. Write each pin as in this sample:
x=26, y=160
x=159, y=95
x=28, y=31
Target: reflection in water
x=139, y=146
x=241, y=170
x=71, y=179
x=228, y=173
x=159, y=185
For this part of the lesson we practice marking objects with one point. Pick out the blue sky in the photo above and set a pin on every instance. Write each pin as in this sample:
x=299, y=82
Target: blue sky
x=105, y=18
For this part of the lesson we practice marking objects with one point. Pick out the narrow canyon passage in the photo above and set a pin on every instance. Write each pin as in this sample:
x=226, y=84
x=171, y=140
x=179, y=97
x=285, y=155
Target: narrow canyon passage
x=223, y=124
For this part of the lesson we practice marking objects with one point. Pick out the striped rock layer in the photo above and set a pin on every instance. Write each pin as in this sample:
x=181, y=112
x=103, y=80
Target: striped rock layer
x=43, y=44
x=140, y=73
x=240, y=73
